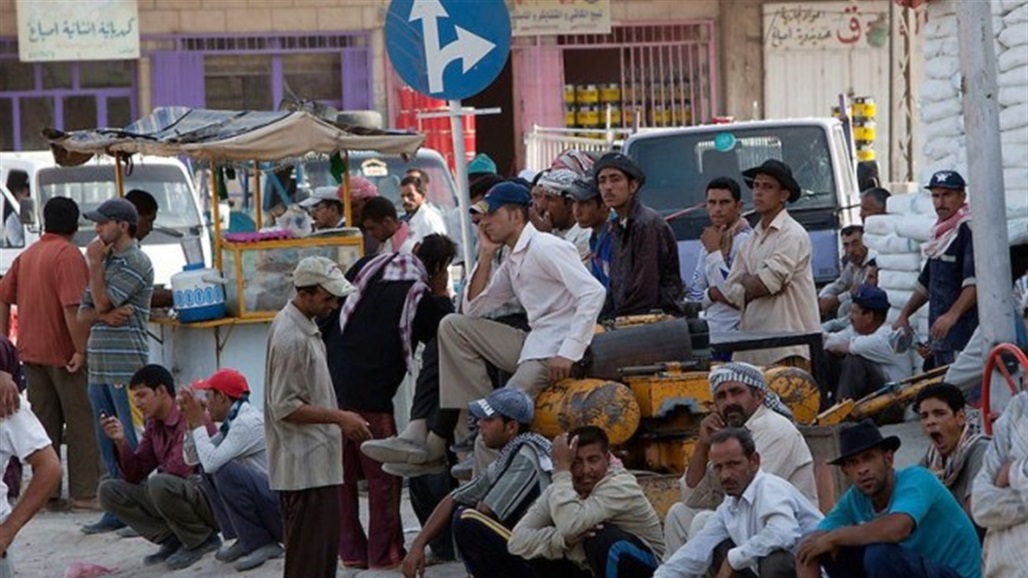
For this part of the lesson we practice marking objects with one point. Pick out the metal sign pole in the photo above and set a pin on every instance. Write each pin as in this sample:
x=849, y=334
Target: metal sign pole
x=460, y=162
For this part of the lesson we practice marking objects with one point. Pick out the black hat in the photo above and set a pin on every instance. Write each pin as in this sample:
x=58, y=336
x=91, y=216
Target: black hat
x=621, y=162
x=583, y=189
x=862, y=436
x=780, y=172
x=947, y=180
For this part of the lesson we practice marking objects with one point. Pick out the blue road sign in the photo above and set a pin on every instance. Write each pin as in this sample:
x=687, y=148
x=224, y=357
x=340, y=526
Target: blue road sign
x=448, y=49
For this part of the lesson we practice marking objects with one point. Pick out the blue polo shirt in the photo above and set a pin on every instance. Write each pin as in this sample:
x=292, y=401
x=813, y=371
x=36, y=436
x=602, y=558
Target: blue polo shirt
x=942, y=279
x=942, y=531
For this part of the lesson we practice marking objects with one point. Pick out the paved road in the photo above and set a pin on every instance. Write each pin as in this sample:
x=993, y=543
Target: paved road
x=52, y=541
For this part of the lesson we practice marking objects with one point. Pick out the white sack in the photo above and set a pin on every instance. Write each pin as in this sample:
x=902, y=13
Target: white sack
x=1014, y=36
x=1017, y=231
x=1017, y=76
x=916, y=227
x=940, y=47
x=941, y=148
x=923, y=205
x=1015, y=179
x=935, y=90
x=900, y=261
x=898, y=298
x=942, y=67
x=1012, y=57
x=944, y=26
x=900, y=204
x=1013, y=117
x=1015, y=155
x=881, y=224
x=1016, y=15
x=891, y=244
x=946, y=128
x=901, y=280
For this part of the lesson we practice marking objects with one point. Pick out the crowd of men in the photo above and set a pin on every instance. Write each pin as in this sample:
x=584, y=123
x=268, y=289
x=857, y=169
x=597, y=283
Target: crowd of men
x=555, y=252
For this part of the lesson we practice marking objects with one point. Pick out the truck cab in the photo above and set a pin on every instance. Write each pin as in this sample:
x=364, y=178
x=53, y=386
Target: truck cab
x=89, y=185
x=679, y=163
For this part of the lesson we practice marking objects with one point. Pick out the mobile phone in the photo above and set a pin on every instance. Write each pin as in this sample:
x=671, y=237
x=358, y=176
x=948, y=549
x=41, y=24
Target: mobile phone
x=103, y=415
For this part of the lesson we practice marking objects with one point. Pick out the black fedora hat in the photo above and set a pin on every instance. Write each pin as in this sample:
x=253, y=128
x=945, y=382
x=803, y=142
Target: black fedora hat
x=781, y=173
x=862, y=436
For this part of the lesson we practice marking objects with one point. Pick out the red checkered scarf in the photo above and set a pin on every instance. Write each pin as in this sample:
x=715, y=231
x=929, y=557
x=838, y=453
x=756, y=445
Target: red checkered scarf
x=945, y=232
x=392, y=267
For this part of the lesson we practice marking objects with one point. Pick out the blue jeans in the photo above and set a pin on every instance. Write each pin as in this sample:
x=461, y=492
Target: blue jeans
x=883, y=561
x=112, y=400
x=245, y=505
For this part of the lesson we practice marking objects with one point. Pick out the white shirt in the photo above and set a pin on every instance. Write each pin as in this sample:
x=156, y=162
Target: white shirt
x=21, y=435
x=874, y=347
x=578, y=237
x=427, y=220
x=770, y=515
x=243, y=443
x=711, y=271
x=14, y=231
x=561, y=298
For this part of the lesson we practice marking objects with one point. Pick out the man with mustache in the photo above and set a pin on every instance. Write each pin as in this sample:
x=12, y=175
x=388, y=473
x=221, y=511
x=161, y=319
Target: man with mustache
x=757, y=526
x=741, y=399
x=592, y=520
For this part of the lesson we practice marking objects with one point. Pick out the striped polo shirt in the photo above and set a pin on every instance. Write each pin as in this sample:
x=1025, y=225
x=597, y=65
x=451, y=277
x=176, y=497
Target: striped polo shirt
x=115, y=353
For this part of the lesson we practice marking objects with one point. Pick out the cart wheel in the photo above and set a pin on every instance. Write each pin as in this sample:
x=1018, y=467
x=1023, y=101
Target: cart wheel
x=994, y=355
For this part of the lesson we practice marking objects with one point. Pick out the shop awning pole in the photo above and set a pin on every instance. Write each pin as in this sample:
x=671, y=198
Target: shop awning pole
x=347, y=208
x=216, y=216
x=257, y=194
x=119, y=178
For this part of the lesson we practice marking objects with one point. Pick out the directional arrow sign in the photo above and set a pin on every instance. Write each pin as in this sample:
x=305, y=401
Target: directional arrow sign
x=448, y=49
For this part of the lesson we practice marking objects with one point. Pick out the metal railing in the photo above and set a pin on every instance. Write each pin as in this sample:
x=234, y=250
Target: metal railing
x=544, y=144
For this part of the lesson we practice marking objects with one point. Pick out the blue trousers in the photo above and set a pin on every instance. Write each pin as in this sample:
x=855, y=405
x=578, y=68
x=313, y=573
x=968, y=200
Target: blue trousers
x=245, y=505
x=883, y=561
x=113, y=401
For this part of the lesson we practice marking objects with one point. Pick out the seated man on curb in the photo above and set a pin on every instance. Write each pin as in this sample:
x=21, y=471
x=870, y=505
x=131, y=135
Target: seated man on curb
x=957, y=449
x=234, y=464
x=484, y=510
x=593, y=520
x=889, y=523
x=167, y=508
x=741, y=399
x=560, y=297
x=754, y=531
x=857, y=260
x=861, y=358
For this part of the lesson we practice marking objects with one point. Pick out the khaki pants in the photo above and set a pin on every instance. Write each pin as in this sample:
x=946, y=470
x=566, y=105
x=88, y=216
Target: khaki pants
x=466, y=343
x=160, y=506
x=61, y=402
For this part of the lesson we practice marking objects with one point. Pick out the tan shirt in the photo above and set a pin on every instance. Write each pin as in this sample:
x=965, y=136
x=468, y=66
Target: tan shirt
x=780, y=256
x=560, y=512
x=783, y=452
x=300, y=456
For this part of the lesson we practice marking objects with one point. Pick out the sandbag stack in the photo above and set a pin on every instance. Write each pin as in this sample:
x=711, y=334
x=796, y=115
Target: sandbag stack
x=942, y=109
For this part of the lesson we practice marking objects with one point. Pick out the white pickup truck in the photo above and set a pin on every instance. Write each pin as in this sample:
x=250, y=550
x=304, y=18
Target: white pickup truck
x=92, y=183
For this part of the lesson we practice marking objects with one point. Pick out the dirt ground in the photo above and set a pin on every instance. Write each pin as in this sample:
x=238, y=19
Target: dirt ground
x=52, y=541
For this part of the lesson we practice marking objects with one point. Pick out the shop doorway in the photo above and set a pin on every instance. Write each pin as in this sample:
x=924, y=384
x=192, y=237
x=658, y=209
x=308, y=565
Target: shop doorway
x=494, y=133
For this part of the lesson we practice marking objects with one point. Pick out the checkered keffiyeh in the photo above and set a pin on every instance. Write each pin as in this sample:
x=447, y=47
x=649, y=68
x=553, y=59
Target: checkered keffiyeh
x=752, y=376
x=392, y=267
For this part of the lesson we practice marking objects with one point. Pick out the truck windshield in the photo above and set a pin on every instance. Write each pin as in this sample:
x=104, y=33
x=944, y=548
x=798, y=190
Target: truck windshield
x=386, y=172
x=679, y=166
x=91, y=185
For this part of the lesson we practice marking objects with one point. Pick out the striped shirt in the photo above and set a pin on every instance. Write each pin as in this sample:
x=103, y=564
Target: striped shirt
x=514, y=491
x=115, y=353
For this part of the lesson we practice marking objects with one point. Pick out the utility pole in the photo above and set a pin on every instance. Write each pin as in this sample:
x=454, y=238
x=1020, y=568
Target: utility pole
x=985, y=172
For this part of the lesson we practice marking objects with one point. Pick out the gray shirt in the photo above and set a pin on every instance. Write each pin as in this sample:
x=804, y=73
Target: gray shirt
x=301, y=456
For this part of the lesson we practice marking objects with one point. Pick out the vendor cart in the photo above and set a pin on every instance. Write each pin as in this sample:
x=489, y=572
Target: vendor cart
x=255, y=270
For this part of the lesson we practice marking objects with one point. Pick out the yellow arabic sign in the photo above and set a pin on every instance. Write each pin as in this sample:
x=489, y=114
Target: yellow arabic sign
x=825, y=25
x=547, y=17
x=77, y=30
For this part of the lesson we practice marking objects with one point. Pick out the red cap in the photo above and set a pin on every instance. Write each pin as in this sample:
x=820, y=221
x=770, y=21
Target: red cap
x=227, y=381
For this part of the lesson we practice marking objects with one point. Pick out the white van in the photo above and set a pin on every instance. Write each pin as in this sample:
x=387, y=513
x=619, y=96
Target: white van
x=89, y=185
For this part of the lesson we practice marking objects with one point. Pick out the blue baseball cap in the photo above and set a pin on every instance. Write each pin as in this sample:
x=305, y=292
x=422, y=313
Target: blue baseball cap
x=505, y=193
x=509, y=402
x=872, y=298
x=947, y=180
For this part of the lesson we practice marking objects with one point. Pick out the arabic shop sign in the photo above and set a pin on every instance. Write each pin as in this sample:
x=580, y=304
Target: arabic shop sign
x=51, y=30
x=548, y=17
x=826, y=25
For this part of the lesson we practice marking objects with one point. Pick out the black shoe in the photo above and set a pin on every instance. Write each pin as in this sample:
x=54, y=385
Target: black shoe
x=168, y=547
x=103, y=525
x=186, y=557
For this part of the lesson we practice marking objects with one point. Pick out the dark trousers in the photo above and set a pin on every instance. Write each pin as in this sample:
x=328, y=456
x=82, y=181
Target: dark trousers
x=382, y=545
x=615, y=553
x=245, y=505
x=883, y=561
x=482, y=543
x=854, y=376
x=425, y=494
x=160, y=506
x=310, y=524
x=778, y=564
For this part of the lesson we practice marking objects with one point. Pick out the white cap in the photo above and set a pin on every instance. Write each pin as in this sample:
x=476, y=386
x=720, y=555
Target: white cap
x=322, y=271
x=321, y=194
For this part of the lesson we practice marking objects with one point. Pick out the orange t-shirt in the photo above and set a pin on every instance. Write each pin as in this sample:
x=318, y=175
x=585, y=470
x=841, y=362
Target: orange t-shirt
x=44, y=279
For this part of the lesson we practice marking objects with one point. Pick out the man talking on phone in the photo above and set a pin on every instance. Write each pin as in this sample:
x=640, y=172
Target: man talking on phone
x=120, y=282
